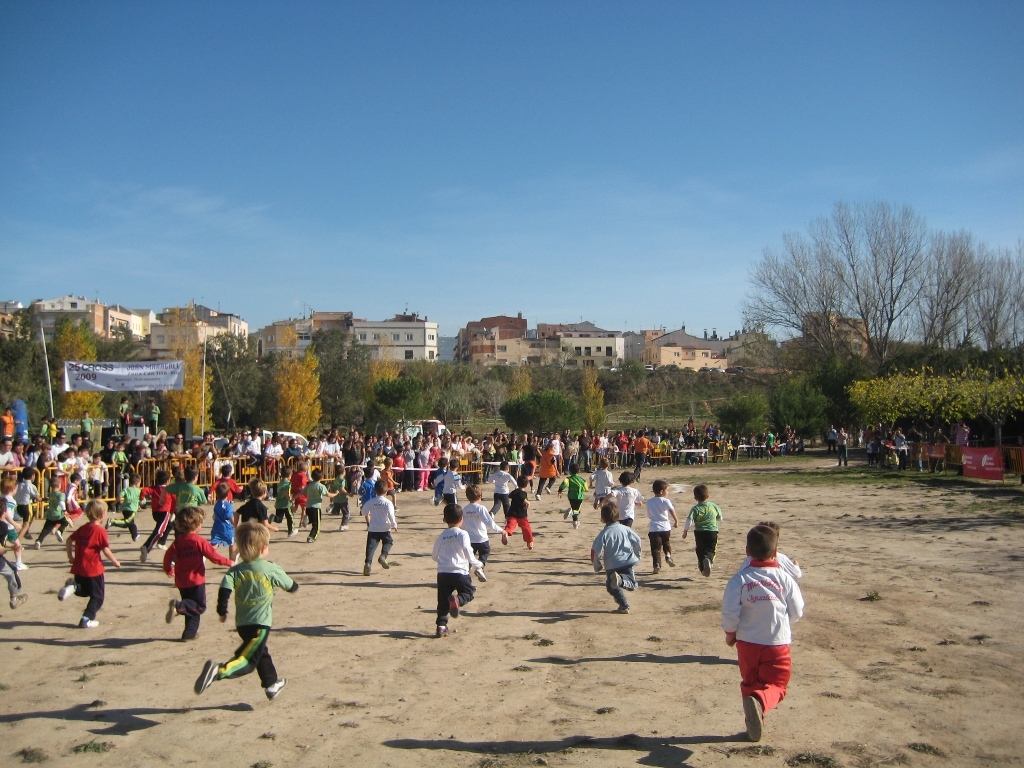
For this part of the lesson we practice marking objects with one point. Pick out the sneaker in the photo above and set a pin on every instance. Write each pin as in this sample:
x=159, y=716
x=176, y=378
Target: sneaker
x=67, y=590
x=565, y=515
x=366, y=570
x=136, y=537
x=670, y=561
x=310, y=539
x=536, y=497
x=206, y=677
x=162, y=547
x=504, y=539
x=753, y=714
x=705, y=567
x=143, y=554
x=383, y=562
x=37, y=545
x=172, y=611
x=530, y=546
x=343, y=527
x=59, y=535
x=453, y=606
x=18, y=599
x=275, y=689
x=622, y=609
x=480, y=574
x=302, y=523
x=575, y=523
x=441, y=632
x=88, y=623
x=547, y=490
x=27, y=537
x=618, y=579
x=20, y=566
x=657, y=569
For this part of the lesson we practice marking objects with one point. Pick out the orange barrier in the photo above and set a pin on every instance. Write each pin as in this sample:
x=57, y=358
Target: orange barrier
x=1013, y=460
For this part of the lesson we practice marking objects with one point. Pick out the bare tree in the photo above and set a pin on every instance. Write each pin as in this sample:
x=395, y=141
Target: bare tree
x=797, y=290
x=880, y=249
x=996, y=302
x=948, y=281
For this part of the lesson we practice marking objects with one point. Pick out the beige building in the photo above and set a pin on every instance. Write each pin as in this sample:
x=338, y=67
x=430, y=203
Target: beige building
x=291, y=337
x=694, y=357
x=49, y=312
x=403, y=337
x=165, y=341
x=524, y=352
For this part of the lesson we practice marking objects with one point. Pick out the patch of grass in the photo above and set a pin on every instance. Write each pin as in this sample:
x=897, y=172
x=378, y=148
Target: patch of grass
x=93, y=746
x=654, y=639
x=979, y=639
x=100, y=663
x=917, y=648
x=926, y=749
x=83, y=678
x=544, y=642
x=756, y=751
x=815, y=759
x=268, y=735
x=944, y=641
x=32, y=755
x=830, y=695
x=336, y=704
x=349, y=724
x=605, y=710
x=871, y=597
x=4, y=687
x=562, y=721
x=531, y=636
x=96, y=704
x=522, y=668
x=700, y=608
x=263, y=764
x=980, y=602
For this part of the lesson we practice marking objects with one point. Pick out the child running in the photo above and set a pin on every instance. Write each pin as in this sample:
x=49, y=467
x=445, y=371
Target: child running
x=222, y=534
x=477, y=522
x=339, y=500
x=661, y=517
x=162, y=503
x=380, y=522
x=704, y=517
x=454, y=556
x=519, y=508
x=10, y=574
x=316, y=492
x=8, y=526
x=26, y=495
x=602, y=481
x=792, y=567
x=84, y=549
x=576, y=490
x=131, y=498
x=283, y=501
x=760, y=603
x=626, y=498
x=254, y=510
x=185, y=562
x=616, y=549
x=504, y=484
x=299, y=481
x=253, y=581
x=55, y=517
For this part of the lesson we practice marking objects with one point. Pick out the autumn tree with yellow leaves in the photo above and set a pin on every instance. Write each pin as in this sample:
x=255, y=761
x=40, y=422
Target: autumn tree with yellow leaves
x=185, y=342
x=75, y=342
x=593, y=401
x=298, y=394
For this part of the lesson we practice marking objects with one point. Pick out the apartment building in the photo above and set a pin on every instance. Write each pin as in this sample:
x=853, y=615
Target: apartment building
x=403, y=337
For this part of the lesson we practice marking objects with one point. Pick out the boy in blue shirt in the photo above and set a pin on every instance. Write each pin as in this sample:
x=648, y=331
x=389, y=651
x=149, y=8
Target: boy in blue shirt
x=616, y=549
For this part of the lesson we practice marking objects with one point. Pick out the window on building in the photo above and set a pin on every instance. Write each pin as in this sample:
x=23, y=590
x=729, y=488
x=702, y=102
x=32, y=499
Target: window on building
x=705, y=354
x=579, y=351
x=430, y=337
x=430, y=354
x=270, y=339
x=362, y=337
x=159, y=339
x=608, y=352
x=503, y=348
x=408, y=354
x=304, y=337
x=408, y=337
x=74, y=305
x=396, y=336
x=586, y=351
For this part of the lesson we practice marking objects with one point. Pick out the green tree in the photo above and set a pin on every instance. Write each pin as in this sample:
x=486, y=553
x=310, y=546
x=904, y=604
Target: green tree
x=244, y=388
x=801, y=405
x=454, y=403
x=593, y=401
x=544, y=411
x=22, y=372
x=743, y=413
x=344, y=373
x=396, y=399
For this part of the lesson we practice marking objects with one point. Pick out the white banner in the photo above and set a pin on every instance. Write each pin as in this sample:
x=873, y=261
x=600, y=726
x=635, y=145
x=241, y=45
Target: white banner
x=124, y=377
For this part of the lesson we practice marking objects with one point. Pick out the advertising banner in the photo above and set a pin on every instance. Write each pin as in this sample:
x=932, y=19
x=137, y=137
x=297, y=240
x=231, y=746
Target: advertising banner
x=983, y=463
x=124, y=377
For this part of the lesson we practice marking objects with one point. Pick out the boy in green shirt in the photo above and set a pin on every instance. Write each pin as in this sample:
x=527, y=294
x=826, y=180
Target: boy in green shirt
x=704, y=518
x=185, y=491
x=55, y=516
x=576, y=488
x=316, y=492
x=253, y=581
x=283, y=501
x=130, y=500
x=339, y=504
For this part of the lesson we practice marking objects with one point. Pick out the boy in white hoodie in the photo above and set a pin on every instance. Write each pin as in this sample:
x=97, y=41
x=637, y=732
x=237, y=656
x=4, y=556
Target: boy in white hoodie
x=477, y=522
x=759, y=604
x=454, y=556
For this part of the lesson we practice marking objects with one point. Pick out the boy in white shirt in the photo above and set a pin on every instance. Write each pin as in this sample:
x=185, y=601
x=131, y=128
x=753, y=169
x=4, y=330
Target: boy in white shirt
x=477, y=522
x=602, y=481
x=662, y=518
x=380, y=522
x=454, y=556
x=504, y=484
x=759, y=604
x=626, y=497
x=792, y=567
x=448, y=482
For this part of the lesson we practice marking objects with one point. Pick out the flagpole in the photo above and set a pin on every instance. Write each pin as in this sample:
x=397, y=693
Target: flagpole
x=46, y=364
x=202, y=415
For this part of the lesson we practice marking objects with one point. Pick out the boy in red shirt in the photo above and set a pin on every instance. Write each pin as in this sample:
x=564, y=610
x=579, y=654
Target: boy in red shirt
x=163, y=504
x=299, y=482
x=234, y=489
x=84, y=548
x=185, y=561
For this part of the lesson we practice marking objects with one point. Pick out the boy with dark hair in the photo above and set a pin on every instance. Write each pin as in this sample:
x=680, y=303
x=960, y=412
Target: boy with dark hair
x=162, y=505
x=477, y=522
x=283, y=501
x=255, y=510
x=380, y=522
x=84, y=550
x=576, y=490
x=616, y=550
x=661, y=516
x=704, y=517
x=454, y=556
x=185, y=562
x=760, y=603
x=519, y=508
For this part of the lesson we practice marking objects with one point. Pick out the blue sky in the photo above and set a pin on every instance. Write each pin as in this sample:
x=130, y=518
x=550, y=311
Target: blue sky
x=621, y=162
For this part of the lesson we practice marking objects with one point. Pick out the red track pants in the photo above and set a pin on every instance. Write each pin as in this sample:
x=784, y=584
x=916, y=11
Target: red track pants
x=510, y=527
x=765, y=670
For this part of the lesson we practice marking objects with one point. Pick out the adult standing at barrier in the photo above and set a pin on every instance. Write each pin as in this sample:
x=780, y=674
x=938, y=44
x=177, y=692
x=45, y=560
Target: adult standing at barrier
x=641, y=447
x=832, y=440
x=962, y=435
x=842, y=449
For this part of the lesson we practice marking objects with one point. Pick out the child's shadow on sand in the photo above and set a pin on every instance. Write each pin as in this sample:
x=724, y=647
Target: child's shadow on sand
x=122, y=721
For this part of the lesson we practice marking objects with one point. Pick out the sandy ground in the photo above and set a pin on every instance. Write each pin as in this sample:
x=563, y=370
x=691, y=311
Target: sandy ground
x=540, y=671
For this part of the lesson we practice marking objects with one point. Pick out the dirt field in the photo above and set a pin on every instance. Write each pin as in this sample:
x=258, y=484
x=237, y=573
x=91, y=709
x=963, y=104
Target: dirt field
x=540, y=672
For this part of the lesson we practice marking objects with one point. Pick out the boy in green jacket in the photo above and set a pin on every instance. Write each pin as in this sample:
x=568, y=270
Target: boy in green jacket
x=704, y=519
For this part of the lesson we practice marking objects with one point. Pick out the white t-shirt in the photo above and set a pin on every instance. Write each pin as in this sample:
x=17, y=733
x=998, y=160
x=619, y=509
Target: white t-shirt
x=6, y=458
x=477, y=522
x=453, y=552
x=658, y=513
x=627, y=497
x=380, y=514
x=504, y=483
x=602, y=481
